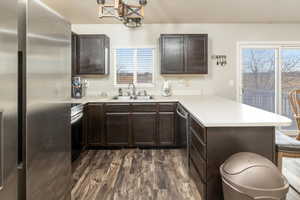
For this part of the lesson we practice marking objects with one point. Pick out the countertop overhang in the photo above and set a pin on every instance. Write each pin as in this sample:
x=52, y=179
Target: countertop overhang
x=213, y=111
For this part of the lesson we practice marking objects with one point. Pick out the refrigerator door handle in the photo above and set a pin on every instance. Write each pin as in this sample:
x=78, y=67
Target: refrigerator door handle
x=1, y=150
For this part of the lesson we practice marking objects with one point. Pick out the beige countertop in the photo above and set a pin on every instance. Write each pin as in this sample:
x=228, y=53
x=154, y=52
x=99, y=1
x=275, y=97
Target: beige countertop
x=214, y=111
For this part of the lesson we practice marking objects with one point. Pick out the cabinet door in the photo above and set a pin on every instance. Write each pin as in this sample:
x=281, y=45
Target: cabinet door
x=144, y=129
x=172, y=54
x=196, y=54
x=95, y=121
x=92, y=54
x=117, y=129
x=166, y=129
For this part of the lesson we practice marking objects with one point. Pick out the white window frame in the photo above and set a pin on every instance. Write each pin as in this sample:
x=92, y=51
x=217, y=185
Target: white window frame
x=264, y=45
x=138, y=85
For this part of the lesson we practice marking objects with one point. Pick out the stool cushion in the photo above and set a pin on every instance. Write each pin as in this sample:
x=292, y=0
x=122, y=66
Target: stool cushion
x=285, y=143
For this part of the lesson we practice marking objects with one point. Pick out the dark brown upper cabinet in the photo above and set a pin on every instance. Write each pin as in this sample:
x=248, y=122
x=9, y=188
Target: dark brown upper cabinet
x=196, y=54
x=172, y=54
x=184, y=53
x=92, y=55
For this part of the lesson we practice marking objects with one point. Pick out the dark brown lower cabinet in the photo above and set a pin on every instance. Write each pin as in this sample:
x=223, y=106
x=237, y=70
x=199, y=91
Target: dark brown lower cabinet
x=95, y=124
x=166, y=130
x=128, y=125
x=210, y=147
x=117, y=129
x=194, y=174
x=144, y=129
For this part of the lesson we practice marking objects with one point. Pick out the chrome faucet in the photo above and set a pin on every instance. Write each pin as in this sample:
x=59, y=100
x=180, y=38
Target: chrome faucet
x=133, y=89
x=120, y=92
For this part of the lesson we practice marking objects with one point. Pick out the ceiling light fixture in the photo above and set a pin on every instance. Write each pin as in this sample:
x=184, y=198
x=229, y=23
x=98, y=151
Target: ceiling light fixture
x=129, y=12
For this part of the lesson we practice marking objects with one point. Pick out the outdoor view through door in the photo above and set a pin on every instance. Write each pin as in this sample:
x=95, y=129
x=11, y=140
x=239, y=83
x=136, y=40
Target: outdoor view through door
x=269, y=73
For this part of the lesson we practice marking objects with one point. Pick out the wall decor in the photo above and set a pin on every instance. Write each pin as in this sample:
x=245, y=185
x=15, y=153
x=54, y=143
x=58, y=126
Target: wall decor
x=221, y=60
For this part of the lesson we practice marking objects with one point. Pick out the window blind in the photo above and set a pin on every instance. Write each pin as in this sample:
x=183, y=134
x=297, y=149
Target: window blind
x=134, y=65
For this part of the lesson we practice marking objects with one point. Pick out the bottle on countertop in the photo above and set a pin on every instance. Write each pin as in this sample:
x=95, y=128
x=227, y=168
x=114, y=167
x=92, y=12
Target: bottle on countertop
x=166, y=90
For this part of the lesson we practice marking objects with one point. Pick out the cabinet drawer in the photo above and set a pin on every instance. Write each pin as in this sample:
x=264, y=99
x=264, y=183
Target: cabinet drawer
x=196, y=177
x=167, y=107
x=199, y=146
x=200, y=164
x=144, y=107
x=198, y=129
x=117, y=107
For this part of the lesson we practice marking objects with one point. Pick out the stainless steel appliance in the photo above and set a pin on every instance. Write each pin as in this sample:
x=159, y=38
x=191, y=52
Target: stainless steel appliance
x=183, y=136
x=48, y=77
x=34, y=102
x=77, y=125
x=8, y=99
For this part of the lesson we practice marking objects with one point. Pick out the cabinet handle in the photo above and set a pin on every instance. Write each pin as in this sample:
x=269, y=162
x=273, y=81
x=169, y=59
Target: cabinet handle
x=106, y=60
x=1, y=151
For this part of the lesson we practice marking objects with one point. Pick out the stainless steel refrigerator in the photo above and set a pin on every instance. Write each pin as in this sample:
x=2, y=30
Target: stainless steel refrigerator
x=8, y=99
x=35, y=77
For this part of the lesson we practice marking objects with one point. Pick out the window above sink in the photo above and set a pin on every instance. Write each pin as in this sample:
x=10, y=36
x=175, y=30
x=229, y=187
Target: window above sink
x=134, y=65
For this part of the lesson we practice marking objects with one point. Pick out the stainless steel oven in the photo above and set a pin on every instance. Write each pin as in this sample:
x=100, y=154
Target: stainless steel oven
x=183, y=133
x=77, y=127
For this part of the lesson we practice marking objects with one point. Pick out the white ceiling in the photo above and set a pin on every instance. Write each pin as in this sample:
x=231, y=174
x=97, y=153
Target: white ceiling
x=190, y=11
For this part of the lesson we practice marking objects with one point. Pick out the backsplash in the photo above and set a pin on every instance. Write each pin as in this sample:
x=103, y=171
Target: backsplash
x=180, y=86
x=222, y=40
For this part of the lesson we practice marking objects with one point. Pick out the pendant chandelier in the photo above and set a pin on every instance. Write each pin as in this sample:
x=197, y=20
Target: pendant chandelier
x=129, y=12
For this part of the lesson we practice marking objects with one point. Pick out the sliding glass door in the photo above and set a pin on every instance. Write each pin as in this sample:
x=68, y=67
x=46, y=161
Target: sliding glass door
x=268, y=74
x=290, y=80
x=259, y=77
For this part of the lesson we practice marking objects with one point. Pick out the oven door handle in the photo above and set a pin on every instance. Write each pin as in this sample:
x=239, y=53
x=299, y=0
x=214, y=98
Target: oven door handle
x=76, y=118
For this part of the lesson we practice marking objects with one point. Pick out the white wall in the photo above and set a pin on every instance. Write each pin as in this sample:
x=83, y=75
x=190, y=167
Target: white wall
x=223, y=39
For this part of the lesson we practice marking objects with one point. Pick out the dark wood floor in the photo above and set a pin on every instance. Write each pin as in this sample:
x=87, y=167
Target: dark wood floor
x=134, y=174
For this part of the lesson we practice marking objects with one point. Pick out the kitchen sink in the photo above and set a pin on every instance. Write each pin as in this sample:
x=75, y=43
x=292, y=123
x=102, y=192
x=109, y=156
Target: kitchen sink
x=127, y=98
x=143, y=98
x=122, y=98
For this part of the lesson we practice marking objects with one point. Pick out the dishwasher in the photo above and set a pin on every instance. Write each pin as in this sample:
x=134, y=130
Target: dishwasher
x=183, y=134
x=76, y=130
